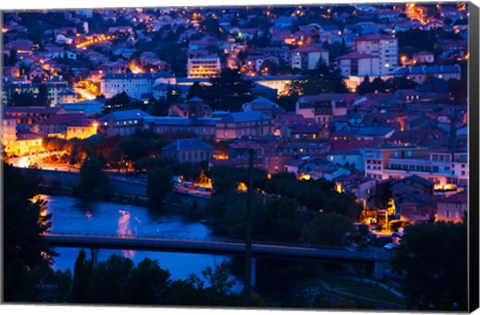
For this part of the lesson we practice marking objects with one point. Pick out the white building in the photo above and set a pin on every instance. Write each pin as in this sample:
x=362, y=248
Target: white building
x=434, y=165
x=203, y=66
x=307, y=57
x=359, y=64
x=138, y=86
x=383, y=46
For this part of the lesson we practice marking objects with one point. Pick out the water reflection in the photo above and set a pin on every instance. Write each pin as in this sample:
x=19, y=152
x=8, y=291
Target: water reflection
x=73, y=216
x=125, y=231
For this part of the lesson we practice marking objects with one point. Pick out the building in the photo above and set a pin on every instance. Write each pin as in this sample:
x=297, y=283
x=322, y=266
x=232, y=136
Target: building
x=423, y=57
x=55, y=87
x=307, y=57
x=434, y=165
x=68, y=126
x=359, y=65
x=122, y=123
x=9, y=134
x=237, y=125
x=27, y=143
x=89, y=108
x=189, y=150
x=30, y=115
x=193, y=108
x=383, y=46
x=139, y=86
x=420, y=74
x=203, y=128
x=452, y=208
x=263, y=105
x=203, y=66
x=322, y=108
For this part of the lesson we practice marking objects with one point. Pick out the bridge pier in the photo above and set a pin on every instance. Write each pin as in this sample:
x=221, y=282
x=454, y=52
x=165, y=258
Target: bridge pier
x=94, y=256
x=379, y=269
x=253, y=272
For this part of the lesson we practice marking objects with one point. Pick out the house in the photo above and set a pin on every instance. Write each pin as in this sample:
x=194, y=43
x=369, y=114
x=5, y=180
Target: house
x=319, y=168
x=263, y=105
x=322, y=107
x=423, y=57
x=407, y=95
x=310, y=132
x=241, y=150
x=452, y=208
x=190, y=150
x=193, y=108
x=68, y=126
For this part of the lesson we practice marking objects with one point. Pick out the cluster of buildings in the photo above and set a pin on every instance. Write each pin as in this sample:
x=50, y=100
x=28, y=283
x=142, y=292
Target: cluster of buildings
x=412, y=140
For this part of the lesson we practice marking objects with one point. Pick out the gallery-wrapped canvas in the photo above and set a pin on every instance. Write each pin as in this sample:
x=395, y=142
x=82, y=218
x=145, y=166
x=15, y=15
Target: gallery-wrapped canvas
x=305, y=156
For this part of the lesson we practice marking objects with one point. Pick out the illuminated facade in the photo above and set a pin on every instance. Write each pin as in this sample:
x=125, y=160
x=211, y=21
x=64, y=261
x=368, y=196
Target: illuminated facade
x=434, y=165
x=452, y=208
x=9, y=134
x=203, y=66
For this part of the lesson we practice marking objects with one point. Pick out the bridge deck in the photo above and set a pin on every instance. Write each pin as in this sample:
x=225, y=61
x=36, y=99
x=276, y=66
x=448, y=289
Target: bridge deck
x=215, y=247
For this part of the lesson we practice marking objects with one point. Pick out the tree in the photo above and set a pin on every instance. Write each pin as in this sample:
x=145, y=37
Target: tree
x=323, y=79
x=42, y=97
x=229, y=91
x=434, y=258
x=25, y=223
x=159, y=183
x=328, y=229
x=92, y=182
x=195, y=90
x=81, y=278
x=147, y=284
x=364, y=87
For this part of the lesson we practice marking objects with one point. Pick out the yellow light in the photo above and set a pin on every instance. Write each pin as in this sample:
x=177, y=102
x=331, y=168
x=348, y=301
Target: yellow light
x=304, y=177
x=242, y=187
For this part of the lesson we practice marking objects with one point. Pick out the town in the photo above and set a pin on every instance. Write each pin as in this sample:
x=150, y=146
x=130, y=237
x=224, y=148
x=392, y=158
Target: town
x=356, y=112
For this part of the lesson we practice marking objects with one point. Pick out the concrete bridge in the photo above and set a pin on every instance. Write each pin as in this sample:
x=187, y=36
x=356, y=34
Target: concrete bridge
x=273, y=251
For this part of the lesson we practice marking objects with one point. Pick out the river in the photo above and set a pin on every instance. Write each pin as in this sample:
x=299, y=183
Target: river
x=75, y=216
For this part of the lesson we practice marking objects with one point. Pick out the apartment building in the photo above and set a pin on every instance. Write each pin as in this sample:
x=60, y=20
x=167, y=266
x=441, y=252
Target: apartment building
x=437, y=166
x=383, y=46
x=307, y=57
x=359, y=65
x=203, y=66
